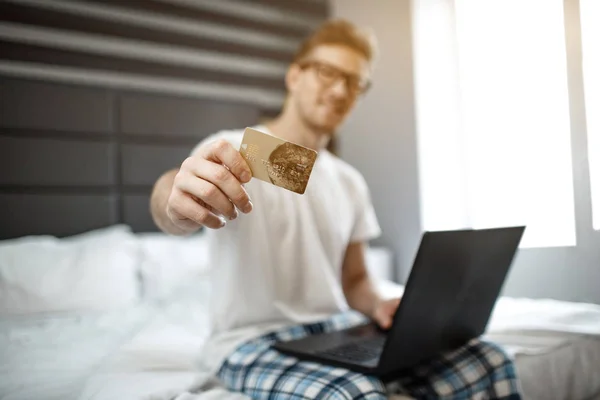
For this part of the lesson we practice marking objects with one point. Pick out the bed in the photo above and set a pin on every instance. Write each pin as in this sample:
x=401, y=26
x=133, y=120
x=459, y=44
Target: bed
x=135, y=328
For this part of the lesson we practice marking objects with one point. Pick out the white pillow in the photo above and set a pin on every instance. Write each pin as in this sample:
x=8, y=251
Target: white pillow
x=96, y=270
x=168, y=262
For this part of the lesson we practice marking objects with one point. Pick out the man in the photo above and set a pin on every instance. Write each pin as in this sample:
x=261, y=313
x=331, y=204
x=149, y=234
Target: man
x=288, y=265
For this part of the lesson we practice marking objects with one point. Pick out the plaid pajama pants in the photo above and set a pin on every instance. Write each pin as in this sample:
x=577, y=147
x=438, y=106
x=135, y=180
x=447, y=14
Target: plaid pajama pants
x=479, y=370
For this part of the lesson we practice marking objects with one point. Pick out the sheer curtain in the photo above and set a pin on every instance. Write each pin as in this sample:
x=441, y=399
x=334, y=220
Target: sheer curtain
x=493, y=117
x=590, y=40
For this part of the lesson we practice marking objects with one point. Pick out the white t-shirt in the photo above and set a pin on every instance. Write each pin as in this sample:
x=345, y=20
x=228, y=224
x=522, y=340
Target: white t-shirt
x=281, y=264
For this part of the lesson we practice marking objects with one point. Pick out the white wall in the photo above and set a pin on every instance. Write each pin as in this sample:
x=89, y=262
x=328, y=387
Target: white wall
x=379, y=137
x=380, y=140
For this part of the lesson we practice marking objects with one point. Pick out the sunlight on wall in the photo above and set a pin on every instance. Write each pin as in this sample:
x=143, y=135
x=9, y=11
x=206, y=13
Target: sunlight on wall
x=590, y=32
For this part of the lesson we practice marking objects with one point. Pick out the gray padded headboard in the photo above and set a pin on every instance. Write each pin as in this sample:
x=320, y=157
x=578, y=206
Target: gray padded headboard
x=74, y=158
x=99, y=97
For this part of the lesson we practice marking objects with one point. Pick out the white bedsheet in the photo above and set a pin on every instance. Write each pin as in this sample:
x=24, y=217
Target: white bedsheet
x=150, y=352
x=50, y=357
x=556, y=346
x=159, y=361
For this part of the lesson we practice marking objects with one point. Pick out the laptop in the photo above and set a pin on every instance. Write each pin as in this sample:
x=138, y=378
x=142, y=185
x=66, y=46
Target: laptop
x=451, y=291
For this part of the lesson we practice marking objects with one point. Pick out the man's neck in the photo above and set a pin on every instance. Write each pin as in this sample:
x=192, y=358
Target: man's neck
x=286, y=127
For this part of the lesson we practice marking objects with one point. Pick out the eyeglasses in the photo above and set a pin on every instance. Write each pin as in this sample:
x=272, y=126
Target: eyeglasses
x=329, y=75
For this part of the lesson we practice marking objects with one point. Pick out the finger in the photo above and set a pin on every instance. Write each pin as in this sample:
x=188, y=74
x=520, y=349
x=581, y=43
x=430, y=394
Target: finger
x=226, y=183
x=385, y=321
x=394, y=305
x=381, y=316
x=391, y=307
x=213, y=198
x=221, y=151
x=184, y=209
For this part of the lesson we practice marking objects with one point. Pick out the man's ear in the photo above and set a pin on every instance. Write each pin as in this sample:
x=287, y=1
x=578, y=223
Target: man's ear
x=292, y=77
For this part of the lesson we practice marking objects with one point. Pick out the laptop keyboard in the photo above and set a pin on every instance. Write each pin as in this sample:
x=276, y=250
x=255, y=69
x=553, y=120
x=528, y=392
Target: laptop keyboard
x=360, y=351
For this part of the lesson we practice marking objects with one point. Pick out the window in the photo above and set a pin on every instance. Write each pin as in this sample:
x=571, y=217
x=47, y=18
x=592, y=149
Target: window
x=590, y=41
x=493, y=117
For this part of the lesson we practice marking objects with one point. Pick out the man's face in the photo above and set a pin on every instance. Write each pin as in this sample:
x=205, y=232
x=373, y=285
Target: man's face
x=325, y=85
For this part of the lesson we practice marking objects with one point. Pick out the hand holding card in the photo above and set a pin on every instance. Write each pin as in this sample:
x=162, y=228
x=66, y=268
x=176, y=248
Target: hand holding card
x=208, y=188
x=274, y=160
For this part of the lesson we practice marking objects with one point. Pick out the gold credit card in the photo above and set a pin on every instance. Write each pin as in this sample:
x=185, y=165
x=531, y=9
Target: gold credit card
x=274, y=160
